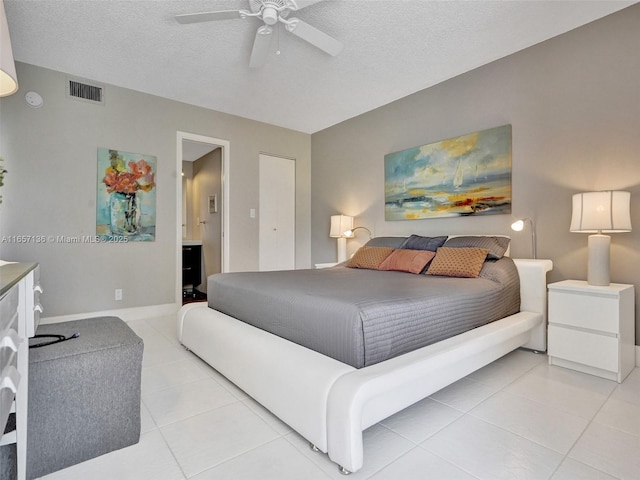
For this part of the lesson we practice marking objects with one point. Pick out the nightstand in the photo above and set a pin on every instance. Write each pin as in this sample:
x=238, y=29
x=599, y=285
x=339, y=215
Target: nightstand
x=592, y=328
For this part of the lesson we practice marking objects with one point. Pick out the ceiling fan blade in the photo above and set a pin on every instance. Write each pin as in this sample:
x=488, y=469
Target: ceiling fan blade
x=300, y=4
x=261, y=46
x=314, y=36
x=207, y=16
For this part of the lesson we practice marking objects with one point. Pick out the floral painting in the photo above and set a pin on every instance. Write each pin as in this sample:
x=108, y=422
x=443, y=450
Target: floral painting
x=126, y=201
x=461, y=176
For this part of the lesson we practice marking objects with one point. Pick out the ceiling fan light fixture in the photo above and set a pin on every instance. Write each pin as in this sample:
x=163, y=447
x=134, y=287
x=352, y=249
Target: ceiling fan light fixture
x=271, y=12
x=270, y=16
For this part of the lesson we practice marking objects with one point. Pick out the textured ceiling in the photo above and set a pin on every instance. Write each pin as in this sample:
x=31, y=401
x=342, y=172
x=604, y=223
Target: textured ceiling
x=392, y=48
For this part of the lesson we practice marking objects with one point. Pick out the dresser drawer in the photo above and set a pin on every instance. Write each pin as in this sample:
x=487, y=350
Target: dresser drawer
x=9, y=309
x=19, y=281
x=591, y=312
x=600, y=351
x=6, y=400
x=8, y=357
x=9, y=321
x=9, y=381
x=9, y=342
x=33, y=291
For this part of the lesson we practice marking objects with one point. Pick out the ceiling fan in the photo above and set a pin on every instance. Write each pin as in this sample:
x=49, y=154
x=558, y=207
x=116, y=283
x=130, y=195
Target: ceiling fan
x=271, y=12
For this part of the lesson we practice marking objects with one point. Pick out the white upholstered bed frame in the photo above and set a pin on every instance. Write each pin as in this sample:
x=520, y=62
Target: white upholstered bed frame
x=330, y=403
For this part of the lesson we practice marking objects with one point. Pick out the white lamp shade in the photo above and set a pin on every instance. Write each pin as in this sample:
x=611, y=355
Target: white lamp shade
x=340, y=224
x=8, y=77
x=606, y=212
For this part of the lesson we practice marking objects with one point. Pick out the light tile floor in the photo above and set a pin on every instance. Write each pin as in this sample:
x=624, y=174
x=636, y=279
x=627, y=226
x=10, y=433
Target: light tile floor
x=517, y=418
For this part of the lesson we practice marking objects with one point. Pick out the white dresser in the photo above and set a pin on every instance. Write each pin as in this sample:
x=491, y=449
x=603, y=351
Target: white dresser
x=19, y=316
x=592, y=328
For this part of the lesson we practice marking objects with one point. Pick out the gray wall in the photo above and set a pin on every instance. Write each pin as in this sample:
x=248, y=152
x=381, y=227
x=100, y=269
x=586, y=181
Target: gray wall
x=207, y=172
x=50, y=189
x=574, y=105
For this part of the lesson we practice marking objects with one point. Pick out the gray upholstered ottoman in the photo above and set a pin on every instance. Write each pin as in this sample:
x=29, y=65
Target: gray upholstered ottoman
x=84, y=394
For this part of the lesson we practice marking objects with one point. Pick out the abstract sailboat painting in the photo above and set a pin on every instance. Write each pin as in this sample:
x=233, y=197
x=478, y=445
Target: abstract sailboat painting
x=463, y=176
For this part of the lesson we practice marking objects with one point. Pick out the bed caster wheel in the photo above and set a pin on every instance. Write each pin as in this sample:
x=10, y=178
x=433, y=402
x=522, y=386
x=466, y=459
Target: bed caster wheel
x=313, y=447
x=343, y=470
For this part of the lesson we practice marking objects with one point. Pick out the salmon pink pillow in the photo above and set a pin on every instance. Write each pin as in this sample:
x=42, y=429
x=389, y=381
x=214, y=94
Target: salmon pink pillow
x=405, y=260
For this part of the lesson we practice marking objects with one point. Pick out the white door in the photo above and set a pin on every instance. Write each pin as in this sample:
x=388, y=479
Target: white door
x=277, y=213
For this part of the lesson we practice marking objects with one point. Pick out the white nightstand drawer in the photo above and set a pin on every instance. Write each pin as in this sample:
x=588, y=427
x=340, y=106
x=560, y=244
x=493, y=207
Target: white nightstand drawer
x=584, y=347
x=585, y=311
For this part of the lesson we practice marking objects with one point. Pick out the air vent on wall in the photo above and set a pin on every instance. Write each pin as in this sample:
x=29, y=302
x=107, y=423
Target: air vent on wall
x=81, y=90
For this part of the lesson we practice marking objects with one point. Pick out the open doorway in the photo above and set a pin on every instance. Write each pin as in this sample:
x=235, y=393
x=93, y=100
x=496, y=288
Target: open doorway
x=202, y=212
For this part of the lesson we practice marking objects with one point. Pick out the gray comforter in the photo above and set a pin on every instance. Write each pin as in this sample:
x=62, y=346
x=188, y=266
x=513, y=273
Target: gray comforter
x=362, y=317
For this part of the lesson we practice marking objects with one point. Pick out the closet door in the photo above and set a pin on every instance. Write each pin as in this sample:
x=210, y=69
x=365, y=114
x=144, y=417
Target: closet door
x=277, y=213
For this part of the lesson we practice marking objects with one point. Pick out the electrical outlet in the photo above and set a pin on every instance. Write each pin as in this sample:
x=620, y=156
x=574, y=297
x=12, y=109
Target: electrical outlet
x=118, y=294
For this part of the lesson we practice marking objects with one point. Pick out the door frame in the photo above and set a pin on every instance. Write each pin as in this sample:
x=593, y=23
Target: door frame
x=225, y=146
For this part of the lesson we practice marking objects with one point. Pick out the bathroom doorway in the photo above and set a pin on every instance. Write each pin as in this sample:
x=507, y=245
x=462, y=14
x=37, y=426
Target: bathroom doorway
x=202, y=213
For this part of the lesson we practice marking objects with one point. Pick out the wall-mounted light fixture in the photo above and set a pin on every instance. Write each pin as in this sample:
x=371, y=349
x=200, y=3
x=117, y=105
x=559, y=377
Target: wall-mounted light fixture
x=518, y=226
x=599, y=213
x=339, y=225
x=351, y=233
x=8, y=77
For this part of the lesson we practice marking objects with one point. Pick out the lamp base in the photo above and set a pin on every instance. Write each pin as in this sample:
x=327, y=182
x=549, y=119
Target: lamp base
x=342, y=249
x=598, y=266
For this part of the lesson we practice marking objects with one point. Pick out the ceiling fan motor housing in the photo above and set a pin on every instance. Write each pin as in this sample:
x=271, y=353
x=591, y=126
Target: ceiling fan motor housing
x=270, y=15
x=271, y=10
x=257, y=5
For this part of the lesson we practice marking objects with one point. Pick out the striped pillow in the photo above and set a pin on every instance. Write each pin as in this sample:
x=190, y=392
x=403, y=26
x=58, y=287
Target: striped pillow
x=497, y=246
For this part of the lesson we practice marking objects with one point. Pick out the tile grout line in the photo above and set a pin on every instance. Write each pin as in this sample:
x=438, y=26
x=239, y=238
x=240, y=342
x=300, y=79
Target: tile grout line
x=237, y=400
x=238, y=455
x=591, y=421
x=501, y=389
x=184, y=474
x=419, y=446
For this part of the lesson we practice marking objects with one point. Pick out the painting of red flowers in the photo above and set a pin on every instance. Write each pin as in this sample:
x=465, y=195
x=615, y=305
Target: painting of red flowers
x=126, y=201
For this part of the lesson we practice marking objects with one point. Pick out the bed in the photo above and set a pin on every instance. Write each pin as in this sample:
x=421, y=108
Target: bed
x=330, y=394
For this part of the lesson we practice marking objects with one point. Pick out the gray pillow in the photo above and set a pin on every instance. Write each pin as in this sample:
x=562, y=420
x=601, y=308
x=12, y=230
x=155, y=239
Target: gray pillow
x=497, y=246
x=393, y=242
x=417, y=242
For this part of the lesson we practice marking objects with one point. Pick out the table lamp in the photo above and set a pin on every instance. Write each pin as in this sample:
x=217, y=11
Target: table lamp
x=599, y=213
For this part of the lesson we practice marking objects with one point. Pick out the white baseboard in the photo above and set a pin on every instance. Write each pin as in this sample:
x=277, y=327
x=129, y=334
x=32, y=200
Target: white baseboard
x=126, y=314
